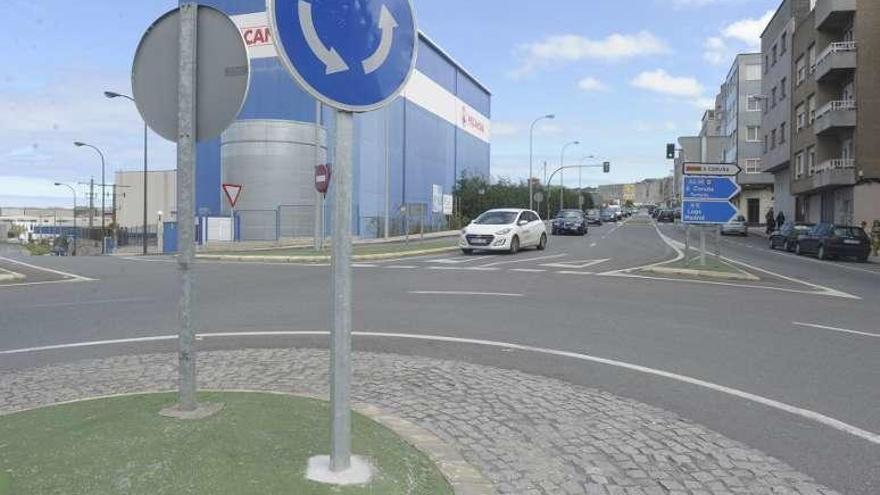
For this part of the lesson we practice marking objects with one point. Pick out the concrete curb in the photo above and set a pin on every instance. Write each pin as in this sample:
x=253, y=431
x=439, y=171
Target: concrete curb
x=464, y=478
x=320, y=259
x=702, y=273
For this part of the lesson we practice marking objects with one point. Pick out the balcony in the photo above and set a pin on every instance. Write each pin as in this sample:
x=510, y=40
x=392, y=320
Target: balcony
x=835, y=116
x=834, y=14
x=828, y=175
x=836, y=61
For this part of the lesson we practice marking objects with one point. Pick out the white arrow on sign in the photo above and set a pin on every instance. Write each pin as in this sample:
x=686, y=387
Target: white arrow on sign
x=387, y=23
x=328, y=56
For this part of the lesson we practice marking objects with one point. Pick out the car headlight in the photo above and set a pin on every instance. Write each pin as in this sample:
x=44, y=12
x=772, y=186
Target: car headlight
x=504, y=231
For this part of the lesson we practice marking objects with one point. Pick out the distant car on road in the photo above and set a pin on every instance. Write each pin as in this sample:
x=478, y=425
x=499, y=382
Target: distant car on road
x=829, y=241
x=504, y=230
x=665, y=216
x=787, y=237
x=570, y=222
x=608, y=217
x=736, y=226
x=594, y=218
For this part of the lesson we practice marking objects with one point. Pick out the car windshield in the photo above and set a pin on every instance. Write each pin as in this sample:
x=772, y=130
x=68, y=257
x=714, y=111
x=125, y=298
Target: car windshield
x=849, y=232
x=571, y=215
x=496, y=218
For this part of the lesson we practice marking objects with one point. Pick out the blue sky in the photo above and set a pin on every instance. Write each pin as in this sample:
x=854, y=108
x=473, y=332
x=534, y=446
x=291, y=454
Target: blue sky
x=624, y=78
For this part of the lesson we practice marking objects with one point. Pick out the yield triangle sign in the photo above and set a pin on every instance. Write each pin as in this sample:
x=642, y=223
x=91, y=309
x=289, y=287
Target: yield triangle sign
x=233, y=192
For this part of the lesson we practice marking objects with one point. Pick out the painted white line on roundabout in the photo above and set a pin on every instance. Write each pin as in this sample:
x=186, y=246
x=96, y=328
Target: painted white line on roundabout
x=48, y=270
x=835, y=329
x=461, y=293
x=505, y=346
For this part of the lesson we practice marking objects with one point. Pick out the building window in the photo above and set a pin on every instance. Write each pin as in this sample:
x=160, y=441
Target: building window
x=811, y=109
x=753, y=72
x=766, y=64
x=812, y=58
x=799, y=166
x=783, y=43
x=754, y=104
x=752, y=134
x=753, y=166
x=782, y=129
x=775, y=54
x=773, y=97
x=801, y=117
x=783, y=91
x=801, y=66
x=766, y=144
x=773, y=139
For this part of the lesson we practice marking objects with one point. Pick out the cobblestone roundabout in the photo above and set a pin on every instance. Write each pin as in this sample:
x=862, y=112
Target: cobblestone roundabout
x=527, y=434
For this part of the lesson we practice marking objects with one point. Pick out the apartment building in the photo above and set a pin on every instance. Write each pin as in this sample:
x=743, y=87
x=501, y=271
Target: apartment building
x=741, y=130
x=835, y=151
x=707, y=147
x=776, y=99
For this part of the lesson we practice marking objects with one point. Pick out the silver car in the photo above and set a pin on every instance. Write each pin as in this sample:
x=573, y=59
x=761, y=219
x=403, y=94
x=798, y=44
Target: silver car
x=735, y=227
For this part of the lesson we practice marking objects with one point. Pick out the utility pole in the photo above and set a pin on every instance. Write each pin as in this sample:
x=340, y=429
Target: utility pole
x=92, y=203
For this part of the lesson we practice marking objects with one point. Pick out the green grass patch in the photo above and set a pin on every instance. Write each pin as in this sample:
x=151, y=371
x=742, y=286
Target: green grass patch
x=258, y=444
x=359, y=249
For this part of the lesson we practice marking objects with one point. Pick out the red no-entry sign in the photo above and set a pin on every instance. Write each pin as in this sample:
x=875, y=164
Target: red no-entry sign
x=322, y=178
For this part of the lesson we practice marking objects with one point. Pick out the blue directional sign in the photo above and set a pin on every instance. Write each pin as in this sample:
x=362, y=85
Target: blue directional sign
x=353, y=55
x=707, y=212
x=718, y=188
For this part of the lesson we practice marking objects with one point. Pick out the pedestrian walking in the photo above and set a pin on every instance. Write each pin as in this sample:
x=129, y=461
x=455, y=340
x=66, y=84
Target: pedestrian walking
x=771, y=221
x=875, y=236
x=780, y=219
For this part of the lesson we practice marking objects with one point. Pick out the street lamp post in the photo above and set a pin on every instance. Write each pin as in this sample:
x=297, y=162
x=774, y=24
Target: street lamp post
x=75, y=231
x=561, y=176
x=111, y=95
x=80, y=144
x=532, y=156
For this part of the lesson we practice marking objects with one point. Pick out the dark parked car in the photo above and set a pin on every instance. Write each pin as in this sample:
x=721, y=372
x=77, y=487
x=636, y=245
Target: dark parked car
x=570, y=222
x=608, y=217
x=787, y=237
x=828, y=241
x=666, y=216
x=594, y=218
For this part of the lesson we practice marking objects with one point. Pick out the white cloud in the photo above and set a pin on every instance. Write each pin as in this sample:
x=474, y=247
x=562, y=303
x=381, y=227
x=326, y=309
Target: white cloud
x=660, y=81
x=748, y=31
x=574, y=48
x=738, y=36
x=591, y=84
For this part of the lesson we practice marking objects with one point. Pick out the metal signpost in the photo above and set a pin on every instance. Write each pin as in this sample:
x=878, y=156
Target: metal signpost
x=707, y=189
x=233, y=193
x=354, y=56
x=190, y=77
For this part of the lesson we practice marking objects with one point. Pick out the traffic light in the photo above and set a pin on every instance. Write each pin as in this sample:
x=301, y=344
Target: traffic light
x=606, y=167
x=670, y=151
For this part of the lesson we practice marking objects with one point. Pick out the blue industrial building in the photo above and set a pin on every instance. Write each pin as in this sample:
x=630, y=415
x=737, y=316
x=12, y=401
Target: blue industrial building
x=437, y=131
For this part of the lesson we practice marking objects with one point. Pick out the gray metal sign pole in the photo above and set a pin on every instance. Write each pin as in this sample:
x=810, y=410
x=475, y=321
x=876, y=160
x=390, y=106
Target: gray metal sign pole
x=702, y=245
x=186, y=161
x=340, y=345
x=687, y=245
x=319, y=198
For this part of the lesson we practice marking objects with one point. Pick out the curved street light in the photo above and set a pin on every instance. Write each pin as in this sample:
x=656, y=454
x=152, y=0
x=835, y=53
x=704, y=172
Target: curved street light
x=561, y=176
x=532, y=156
x=80, y=144
x=112, y=95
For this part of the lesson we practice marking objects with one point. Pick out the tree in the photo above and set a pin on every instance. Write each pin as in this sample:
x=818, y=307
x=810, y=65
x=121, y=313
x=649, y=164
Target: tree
x=475, y=195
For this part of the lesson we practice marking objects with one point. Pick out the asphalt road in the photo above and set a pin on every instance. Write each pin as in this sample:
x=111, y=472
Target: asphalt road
x=782, y=338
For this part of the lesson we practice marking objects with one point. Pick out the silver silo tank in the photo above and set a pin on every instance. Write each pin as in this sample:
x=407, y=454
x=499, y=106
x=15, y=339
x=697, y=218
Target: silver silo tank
x=274, y=161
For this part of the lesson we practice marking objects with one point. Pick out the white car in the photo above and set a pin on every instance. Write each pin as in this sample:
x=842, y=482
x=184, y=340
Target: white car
x=736, y=227
x=504, y=230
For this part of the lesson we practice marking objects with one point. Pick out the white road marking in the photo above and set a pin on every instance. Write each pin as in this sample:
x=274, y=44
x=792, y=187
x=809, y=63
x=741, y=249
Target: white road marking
x=566, y=272
x=451, y=261
x=49, y=270
x=525, y=260
x=741, y=394
x=594, y=244
x=146, y=260
x=88, y=303
x=463, y=268
x=824, y=263
x=576, y=264
x=461, y=293
x=363, y=265
x=836, y=329
x=401, y=267
x=527, y=270
x=48, y=282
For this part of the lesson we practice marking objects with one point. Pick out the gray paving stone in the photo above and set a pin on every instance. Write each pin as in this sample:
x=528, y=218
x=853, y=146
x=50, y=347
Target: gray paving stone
x=527, y=434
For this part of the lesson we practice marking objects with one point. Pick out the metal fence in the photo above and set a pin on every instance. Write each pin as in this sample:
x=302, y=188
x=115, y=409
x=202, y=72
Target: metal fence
x=257, y=225
x=134, y=236
x=296, y=221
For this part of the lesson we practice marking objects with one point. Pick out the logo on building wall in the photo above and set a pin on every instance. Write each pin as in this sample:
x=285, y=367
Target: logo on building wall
x=257, y=36
x=473, y=122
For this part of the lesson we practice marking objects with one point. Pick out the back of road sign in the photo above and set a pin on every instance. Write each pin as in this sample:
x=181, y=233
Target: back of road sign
x=223, y=74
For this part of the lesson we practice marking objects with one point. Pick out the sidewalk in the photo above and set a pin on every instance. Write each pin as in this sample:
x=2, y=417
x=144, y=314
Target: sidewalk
x=527, y=434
